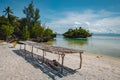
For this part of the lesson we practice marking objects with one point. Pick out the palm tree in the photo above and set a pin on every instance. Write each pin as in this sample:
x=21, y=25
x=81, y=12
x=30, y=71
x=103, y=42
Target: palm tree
x=8, y=12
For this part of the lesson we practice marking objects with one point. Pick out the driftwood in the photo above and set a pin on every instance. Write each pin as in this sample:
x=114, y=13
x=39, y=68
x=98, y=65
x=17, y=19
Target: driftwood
x=53, y=49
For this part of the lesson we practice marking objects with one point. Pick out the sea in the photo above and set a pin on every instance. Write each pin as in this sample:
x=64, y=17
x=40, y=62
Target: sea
x=102, y=44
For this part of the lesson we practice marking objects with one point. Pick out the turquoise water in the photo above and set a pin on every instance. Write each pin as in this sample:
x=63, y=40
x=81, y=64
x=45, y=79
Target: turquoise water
x=97, y=44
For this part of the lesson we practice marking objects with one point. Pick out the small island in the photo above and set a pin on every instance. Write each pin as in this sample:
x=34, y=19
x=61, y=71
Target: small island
x=77, y=33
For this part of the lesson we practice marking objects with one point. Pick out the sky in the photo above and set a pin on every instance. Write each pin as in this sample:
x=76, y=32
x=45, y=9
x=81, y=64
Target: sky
x=97, y=16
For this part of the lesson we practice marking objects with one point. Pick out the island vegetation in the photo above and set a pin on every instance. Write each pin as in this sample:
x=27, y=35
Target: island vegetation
x=77, y=33
x=28, y=27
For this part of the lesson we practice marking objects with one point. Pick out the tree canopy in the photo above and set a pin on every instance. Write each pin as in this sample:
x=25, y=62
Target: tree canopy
x=77, y=33
x=28, y=27
x=7, y=30
x=32, y=16
x=8, y=12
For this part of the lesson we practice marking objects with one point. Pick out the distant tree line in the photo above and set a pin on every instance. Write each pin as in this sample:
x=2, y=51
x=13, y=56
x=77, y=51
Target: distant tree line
x=77, y=33
x=25, y=28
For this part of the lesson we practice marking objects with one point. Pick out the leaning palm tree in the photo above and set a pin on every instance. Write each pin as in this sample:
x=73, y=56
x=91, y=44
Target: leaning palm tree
x=8, y=12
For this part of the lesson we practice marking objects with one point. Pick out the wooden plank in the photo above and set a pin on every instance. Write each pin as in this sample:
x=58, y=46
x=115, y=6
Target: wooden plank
x=54, y=49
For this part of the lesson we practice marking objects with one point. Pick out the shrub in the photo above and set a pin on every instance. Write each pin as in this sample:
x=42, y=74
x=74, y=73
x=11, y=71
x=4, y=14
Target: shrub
x=25, y=34
x=7, y=30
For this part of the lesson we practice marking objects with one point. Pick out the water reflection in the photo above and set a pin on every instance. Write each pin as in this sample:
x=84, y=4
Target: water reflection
x=49, y=42
x=64, y=42
x=107, y=45
x=76, y=41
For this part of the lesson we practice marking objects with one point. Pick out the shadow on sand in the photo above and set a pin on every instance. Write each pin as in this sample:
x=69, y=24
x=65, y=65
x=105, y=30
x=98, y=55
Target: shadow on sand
x=36, y=61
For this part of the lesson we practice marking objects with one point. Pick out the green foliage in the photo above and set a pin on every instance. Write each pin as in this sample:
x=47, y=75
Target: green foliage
x=7, y=30
x=37, y=32
x=25, y=34
x=34, y=25
x=8, y=12
x=3, y=20
x=9, y=20
x=48, y=33
x=24, y=28
x=32, y=16
x=77, y=33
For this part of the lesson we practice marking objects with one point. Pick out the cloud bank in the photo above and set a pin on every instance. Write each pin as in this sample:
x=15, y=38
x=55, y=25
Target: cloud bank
x=95, y=21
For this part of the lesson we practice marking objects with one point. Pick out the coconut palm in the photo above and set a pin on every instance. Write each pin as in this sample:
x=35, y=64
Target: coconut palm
x=8, y=12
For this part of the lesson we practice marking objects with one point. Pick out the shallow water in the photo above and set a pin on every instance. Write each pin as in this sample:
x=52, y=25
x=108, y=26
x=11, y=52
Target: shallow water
x=97, y=44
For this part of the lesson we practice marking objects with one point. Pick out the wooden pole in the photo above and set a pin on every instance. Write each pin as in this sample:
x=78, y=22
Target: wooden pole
x=80, y=60
x=43, y=56
x=37, y=49
x=58, y=57
x=25, y=47
x=20, y=46
x=44, y=53
x=32, y=51
x=63, y=55
x=25, y=50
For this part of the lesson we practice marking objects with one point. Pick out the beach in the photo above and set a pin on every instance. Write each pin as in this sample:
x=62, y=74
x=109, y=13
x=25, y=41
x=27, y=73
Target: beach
x=94, y=67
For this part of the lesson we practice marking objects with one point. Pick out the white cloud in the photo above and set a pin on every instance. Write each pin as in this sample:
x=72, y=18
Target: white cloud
x=97, y=22
x=106, y=25
x=77, y=23
x=87, y=23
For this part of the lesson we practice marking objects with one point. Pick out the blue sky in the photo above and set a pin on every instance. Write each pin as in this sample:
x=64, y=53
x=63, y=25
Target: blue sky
x=98, y=16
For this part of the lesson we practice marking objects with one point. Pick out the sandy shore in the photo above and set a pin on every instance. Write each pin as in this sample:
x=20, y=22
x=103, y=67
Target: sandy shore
x=94, y=67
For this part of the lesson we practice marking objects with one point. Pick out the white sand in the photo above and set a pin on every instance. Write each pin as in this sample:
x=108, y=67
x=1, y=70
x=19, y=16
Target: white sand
x=14, y=67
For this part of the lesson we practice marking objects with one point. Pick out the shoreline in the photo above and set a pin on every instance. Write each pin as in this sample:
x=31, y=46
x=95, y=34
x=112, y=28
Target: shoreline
x=94, y=67
x=102, y=55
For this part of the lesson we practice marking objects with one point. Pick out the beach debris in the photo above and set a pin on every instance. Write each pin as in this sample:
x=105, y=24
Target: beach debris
x=97, y=56
x=14, y=44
